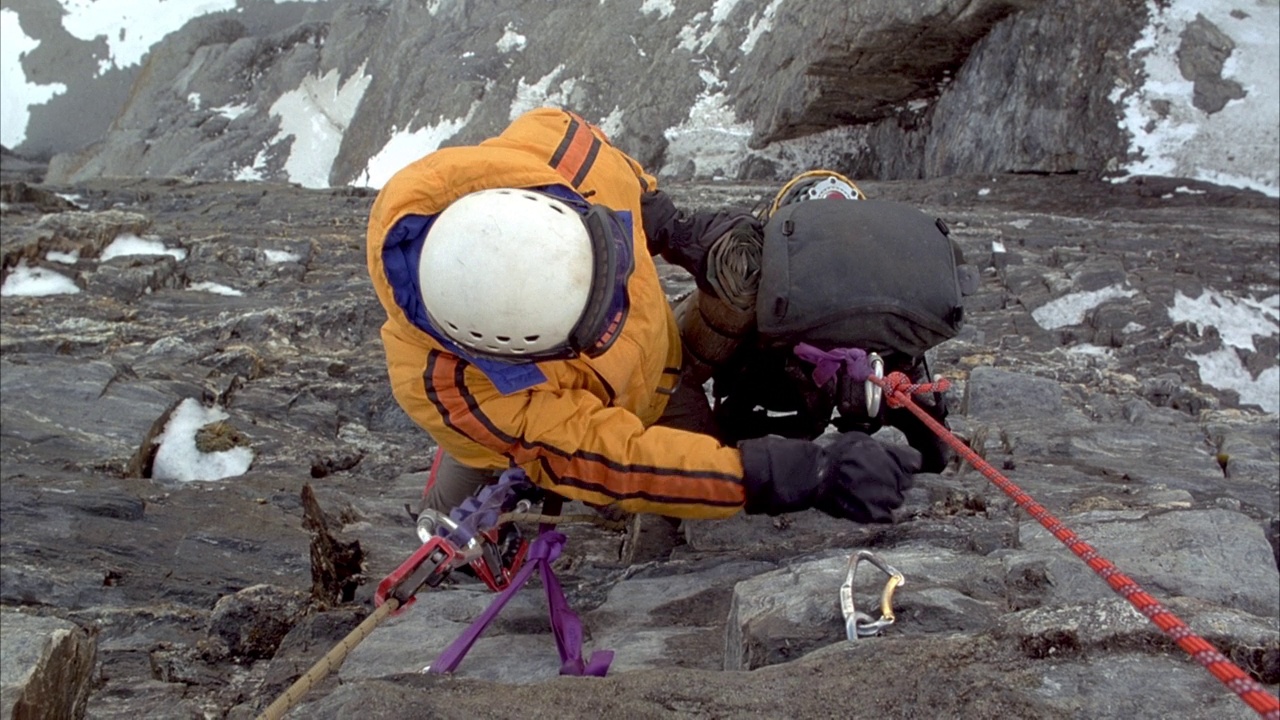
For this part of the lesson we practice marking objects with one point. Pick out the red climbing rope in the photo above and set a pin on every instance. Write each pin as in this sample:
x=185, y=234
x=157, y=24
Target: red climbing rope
x=898, y=390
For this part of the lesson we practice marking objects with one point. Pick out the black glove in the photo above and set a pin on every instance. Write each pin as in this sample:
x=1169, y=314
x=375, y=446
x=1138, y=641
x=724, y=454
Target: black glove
x=661, y=219
x=854, y=478
x=684, y=238
x=936, y=453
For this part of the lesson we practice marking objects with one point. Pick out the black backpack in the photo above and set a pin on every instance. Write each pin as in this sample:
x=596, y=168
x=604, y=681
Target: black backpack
x=875, y=275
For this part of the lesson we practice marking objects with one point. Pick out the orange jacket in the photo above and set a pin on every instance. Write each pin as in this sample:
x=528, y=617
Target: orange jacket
x=584, y=427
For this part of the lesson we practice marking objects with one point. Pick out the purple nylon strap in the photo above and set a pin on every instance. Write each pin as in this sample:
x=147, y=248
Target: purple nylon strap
x=829, y=362
x=564, y=622
x=482, y=509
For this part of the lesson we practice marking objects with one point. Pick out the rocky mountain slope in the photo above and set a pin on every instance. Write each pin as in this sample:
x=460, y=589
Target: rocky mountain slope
x=336, y=93
x=137, y=596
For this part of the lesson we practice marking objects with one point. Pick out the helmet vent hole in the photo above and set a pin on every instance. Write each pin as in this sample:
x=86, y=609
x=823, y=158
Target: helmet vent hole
x=502, y=338
x=477, y=335
x=452, y=327
x=531, y=338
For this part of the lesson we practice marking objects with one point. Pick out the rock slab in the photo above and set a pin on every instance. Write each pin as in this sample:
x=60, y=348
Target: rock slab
x=45, y=667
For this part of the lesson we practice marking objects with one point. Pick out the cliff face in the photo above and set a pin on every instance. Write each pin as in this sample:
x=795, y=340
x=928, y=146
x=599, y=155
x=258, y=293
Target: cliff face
x=885, y=90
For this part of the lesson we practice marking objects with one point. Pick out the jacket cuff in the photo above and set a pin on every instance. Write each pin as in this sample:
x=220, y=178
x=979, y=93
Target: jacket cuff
x=658, y=215
x=780, y=475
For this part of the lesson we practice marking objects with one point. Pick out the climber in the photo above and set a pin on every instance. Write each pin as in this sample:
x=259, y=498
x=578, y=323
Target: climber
x=831, y=281
x=527, y=327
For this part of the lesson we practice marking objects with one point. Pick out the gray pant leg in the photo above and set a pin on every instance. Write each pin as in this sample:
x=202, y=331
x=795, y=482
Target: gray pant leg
x=454, y=483
x=689, y=409
x=652, y=537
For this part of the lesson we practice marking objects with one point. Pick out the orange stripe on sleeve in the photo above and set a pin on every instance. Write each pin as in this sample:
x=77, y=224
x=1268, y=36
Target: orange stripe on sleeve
x=444, y=374
x=581, y=473
x=655, y=485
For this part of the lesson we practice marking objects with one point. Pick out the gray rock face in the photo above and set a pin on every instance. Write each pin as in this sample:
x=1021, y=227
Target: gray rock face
x=253, y=622
x=1054, y=54
x=854, y=63
x=46, y=668
x=1203, y=52
x=1165, y=549
x=912, y=85
x=1099, y=411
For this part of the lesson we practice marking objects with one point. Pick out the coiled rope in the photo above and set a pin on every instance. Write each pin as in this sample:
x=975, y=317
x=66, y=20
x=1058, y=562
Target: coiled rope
x=733, y=265
x=898, y=390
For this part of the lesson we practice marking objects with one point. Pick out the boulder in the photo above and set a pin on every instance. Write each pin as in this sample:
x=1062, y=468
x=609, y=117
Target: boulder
x=46, y=669
x=253, y=622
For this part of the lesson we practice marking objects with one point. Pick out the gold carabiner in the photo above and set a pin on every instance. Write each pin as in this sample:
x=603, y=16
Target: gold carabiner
x=857, y=623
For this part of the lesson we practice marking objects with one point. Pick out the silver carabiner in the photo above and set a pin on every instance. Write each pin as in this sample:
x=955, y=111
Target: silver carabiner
x=429, y=523
x=857, y=623
x=873, y=390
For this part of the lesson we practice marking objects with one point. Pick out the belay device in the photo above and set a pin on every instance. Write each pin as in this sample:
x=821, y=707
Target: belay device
x=473, y=535
x=469, y=535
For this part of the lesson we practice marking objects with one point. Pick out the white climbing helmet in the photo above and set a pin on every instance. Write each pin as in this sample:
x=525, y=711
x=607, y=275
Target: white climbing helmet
x=816, y=185
x=517, y=274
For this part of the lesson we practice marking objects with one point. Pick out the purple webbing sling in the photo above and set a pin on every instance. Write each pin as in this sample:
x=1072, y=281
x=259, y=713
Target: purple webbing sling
x=829, y=362
x=564, y=622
